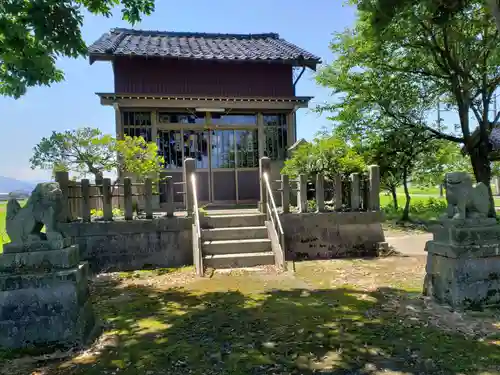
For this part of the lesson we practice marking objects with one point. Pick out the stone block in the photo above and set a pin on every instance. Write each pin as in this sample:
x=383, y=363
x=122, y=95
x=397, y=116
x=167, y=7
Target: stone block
x=333, y=234
x=471, y=251
x=463, y=283
x=459, y=235
x=45, y=308
x=10, y=248
x=78, y=275
x=40, y=260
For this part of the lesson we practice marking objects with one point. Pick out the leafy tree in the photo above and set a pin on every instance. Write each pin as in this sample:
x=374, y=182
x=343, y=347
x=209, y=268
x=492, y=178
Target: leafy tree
x=84, y=151
x=329, y=155
x=33, y=33
x=401, y=73
x=139, y=158
x=88, y=151
x=432, y=166
x=383, y=12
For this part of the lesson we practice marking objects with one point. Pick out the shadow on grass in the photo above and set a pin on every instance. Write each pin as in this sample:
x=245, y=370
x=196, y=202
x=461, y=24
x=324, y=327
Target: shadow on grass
x=339, y=331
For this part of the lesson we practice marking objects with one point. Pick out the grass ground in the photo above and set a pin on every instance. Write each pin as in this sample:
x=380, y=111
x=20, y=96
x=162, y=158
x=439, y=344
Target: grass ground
x=335, y=317
x=420, y=190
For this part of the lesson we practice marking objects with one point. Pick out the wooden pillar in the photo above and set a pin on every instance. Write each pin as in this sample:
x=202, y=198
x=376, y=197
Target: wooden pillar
x=261, y=135
x=86, y=200
x=154, y=126
x=374, y=186
x=285, y=193
x=264, y=167
x=119, y=135
x=320, y=192
x=355, y=196
x=338, y=192
x=148, y=198
x=62, y=178
x=107, y=209
x=291, y=130
x=127, y=198
x=189, y=169
x=302, y=196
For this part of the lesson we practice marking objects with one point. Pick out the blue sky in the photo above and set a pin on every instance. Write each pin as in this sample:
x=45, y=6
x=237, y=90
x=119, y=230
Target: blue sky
x=73, y=103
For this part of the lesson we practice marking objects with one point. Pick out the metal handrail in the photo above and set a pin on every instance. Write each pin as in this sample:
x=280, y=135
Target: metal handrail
x=274, y=209
x=196, y=213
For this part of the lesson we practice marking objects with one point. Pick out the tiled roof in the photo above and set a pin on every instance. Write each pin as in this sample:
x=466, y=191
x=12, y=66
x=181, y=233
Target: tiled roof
x=203, y=46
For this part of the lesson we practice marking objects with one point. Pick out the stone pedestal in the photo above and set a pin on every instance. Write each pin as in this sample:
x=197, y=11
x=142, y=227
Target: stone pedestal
x=463, y=263
x=44, y=295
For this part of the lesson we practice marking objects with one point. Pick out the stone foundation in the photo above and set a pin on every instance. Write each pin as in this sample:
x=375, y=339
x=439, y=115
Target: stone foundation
x=463, y=265
x=44, y=297
x=133, y=245
x=333, y=234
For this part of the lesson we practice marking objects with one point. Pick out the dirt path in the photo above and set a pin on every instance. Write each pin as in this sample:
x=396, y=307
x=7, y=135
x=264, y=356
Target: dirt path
x=408, y=244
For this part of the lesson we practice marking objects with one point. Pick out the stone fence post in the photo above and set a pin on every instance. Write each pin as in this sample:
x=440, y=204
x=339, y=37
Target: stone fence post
x=355, y=196
x=85, y=203
x=285, y=193
x=107, y=209
x=127, y=198
x=302, y=193
x=320, y=192
x=264, y=167
x=338, y=191
x=62, y=178
x=148, y=198
x=189, y=169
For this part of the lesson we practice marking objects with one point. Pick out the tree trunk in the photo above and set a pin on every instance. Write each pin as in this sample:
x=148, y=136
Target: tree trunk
x=495, y=11
x=406, y=210
x=482, y=171
x=394, y=197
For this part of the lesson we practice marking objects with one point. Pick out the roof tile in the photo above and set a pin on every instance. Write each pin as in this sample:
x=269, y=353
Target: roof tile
x=263, y=47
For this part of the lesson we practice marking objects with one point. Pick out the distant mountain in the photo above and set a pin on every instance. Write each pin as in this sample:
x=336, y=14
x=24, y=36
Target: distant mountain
x=8, y=185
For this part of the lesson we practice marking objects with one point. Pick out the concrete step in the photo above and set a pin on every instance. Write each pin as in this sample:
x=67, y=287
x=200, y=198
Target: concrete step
x=232, y=221
x=234, y=233
x=238, y=260
x=236, y=246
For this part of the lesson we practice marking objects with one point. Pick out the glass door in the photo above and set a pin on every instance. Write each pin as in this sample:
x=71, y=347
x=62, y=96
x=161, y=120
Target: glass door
x=197, y=146
x=222, y=165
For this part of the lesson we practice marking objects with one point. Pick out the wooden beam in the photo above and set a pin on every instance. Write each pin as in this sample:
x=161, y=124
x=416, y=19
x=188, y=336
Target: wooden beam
x=156, y=102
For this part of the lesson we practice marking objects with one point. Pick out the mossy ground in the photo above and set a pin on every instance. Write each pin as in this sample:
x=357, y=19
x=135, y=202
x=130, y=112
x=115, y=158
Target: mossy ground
x=338, y=317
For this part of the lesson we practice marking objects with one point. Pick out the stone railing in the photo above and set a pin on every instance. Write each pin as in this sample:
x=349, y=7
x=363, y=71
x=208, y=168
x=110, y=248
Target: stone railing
x=360, y=192
x=82, y=197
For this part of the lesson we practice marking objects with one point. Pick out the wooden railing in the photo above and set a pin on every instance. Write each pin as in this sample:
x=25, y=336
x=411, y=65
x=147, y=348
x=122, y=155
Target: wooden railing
x=197, y=254
x=274, y=227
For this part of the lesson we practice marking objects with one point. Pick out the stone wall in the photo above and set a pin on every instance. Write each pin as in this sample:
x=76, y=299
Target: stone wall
x=333, y=234
x=133, y=245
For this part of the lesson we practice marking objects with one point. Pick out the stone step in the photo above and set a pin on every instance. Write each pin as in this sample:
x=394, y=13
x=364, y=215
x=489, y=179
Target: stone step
x=236, y=246
x=238, y=260
x=232, y=221
x=234, y=233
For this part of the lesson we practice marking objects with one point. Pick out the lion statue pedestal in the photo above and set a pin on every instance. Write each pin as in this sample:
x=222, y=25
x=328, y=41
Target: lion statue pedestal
x=463, y=261
x=43, y=285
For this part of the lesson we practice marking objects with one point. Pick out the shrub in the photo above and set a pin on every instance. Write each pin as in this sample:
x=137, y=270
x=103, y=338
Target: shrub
x=421, y=209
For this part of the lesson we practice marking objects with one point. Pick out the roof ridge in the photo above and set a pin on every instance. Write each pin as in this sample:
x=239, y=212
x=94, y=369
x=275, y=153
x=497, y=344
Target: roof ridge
x=195, y=34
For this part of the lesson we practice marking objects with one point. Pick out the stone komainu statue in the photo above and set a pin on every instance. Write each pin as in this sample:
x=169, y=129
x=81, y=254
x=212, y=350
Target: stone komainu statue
x=464, y=200
x=24, y=224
